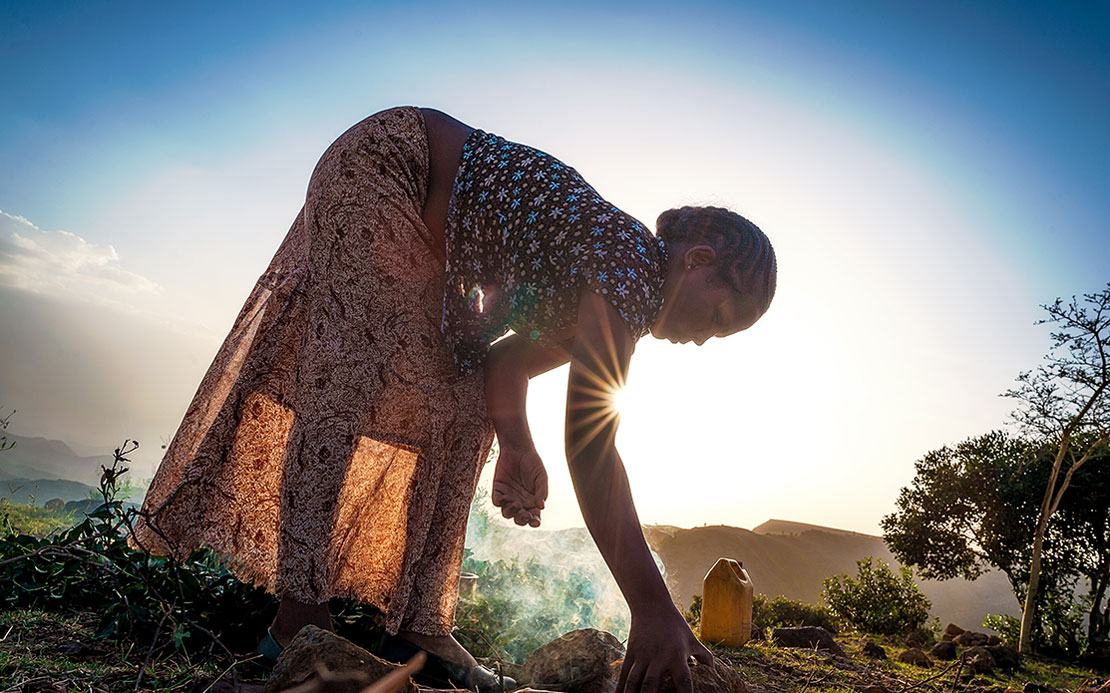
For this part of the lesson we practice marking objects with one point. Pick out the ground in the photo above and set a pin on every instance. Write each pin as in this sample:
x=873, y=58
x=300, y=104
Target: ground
x=46, y=652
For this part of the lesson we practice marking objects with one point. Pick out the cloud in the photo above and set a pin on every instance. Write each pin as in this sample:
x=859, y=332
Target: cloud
x=63, y=264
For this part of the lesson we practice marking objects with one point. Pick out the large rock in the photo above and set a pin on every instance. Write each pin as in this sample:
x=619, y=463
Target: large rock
x=347, y=668
x=978, y=660
x=719, y=678
x=873, y=650
x=578, y=660
x=951, y=631
x=919, y=639
x=1005, y=658
x=970, y=638
x=915, y=657
x=945, y=650
x=808, y=637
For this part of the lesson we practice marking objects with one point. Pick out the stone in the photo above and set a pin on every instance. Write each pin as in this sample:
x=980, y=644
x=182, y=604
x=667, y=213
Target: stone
x=971, y=639
x=873, y=650
x=808, y=637
x=578, y=660
x=952, y=630
x=1096, y=658
x=944, y=650
x=346, y=667
x=919, y=639
x=915, y=657
x=978, y=660
x=55, y=505
x=994, y=641
x=1005, y=658
x=719, y=678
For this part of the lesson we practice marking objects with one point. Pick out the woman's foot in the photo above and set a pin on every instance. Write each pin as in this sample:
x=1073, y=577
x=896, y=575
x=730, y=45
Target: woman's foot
x=444, y=646
x=293, y=615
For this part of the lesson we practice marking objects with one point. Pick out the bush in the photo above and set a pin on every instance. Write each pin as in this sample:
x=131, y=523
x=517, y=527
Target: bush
x=877, y=600
x=782, y=612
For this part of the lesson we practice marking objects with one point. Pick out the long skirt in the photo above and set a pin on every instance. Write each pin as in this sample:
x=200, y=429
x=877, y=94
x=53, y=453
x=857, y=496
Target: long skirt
x=332, y=449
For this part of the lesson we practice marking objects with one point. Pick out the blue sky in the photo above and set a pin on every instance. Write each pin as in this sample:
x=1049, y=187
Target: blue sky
x=929, y=173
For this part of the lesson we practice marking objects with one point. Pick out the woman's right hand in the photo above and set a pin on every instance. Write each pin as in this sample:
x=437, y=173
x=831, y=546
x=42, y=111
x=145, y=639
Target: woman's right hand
x=660, y=642
x=520, y=485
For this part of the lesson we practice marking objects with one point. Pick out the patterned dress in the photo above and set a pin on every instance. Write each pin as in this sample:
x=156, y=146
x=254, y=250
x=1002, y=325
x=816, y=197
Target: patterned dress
x=334, y=445
x=525, y=233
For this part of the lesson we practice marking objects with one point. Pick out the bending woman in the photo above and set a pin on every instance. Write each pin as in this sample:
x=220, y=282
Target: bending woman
x=335, y=443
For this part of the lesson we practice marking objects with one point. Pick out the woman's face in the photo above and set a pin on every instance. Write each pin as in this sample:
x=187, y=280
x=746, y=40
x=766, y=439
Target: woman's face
x=698, y=303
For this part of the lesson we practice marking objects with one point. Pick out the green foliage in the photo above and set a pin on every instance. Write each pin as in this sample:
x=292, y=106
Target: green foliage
x=693, y=614
x=877, y=600
x=195, y=606
x=781, y=612
x=1008, y=627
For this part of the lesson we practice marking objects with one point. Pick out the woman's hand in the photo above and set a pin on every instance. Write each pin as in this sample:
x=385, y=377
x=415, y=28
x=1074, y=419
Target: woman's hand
x=520, y=485
x=660, y=642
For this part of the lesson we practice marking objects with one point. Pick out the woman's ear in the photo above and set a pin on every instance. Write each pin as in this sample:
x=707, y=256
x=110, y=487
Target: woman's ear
x=699, y=256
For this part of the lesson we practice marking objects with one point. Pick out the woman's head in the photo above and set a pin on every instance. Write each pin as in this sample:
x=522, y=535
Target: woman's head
x=720, y=276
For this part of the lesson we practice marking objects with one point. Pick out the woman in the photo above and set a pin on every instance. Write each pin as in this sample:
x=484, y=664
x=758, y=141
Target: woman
x=335, y=443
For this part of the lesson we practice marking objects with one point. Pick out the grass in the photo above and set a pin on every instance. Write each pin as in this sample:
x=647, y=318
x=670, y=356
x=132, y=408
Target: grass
x=35, y=520
x=44, y=651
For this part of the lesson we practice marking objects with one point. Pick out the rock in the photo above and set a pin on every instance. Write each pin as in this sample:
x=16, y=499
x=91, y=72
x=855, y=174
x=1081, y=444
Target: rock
x=349, y=667
x=55, y=504
x=951, y=631
x=971, y=639
x=1098, y=658
x=978, y=660
x=945, y=650
x=720, y=678
x=873, y=650
x=994, y=641
x=1005, y=658
x=809, y=637
x=578, y=660
x=919, y=638
x=915, y=657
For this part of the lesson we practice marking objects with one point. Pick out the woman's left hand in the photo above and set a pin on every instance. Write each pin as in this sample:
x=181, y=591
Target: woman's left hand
x=520, y=485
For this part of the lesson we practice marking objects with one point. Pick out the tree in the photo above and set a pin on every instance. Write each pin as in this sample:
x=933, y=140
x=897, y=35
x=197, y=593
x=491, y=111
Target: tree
x=973, y=505
x=1066, y=401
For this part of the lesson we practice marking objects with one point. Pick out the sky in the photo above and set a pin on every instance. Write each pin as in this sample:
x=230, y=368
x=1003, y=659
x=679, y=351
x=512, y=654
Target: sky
x=929, y=174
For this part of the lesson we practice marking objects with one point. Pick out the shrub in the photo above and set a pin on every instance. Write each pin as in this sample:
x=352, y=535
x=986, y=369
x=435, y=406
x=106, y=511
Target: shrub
x=877, y=600
x=782, y=612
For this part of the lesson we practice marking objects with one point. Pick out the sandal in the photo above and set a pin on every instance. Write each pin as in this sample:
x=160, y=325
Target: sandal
x=269, y=649
x=439, y=672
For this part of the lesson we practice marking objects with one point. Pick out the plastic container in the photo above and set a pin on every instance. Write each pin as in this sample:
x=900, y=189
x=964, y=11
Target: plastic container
x=726, y=604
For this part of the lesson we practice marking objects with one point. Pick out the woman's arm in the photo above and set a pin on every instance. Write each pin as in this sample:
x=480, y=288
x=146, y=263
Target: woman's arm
x=520, y=480
x=660, y=640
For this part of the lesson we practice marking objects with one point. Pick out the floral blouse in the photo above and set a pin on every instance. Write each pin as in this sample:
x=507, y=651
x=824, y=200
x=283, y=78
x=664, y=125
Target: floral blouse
x=524, y=233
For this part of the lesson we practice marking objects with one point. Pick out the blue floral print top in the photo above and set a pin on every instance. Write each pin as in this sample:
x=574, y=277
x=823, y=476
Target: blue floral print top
x=524, y=233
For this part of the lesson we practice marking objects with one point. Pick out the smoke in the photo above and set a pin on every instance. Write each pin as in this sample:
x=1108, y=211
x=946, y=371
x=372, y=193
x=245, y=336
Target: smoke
x=559, y=577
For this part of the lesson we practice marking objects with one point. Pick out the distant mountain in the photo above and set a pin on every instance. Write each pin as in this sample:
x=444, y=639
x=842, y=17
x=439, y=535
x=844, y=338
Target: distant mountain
x=793, y=559
x=19, y=491
x=41, y=458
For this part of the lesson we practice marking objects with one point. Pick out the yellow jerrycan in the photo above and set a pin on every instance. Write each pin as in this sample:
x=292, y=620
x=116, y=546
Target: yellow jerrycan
x=726, y=604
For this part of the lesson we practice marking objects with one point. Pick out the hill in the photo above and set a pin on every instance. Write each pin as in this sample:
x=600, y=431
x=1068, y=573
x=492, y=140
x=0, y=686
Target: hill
x=19, y=491
x=792, y=559
x=42, y=458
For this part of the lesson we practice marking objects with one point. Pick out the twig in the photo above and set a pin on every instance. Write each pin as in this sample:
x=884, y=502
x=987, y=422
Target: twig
x=8, y=633
x=956, y=678
x=153, y=644
x=922, y=682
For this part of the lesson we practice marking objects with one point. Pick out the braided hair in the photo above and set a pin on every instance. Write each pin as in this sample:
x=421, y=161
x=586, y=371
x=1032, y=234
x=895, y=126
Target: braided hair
x=747, y=258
